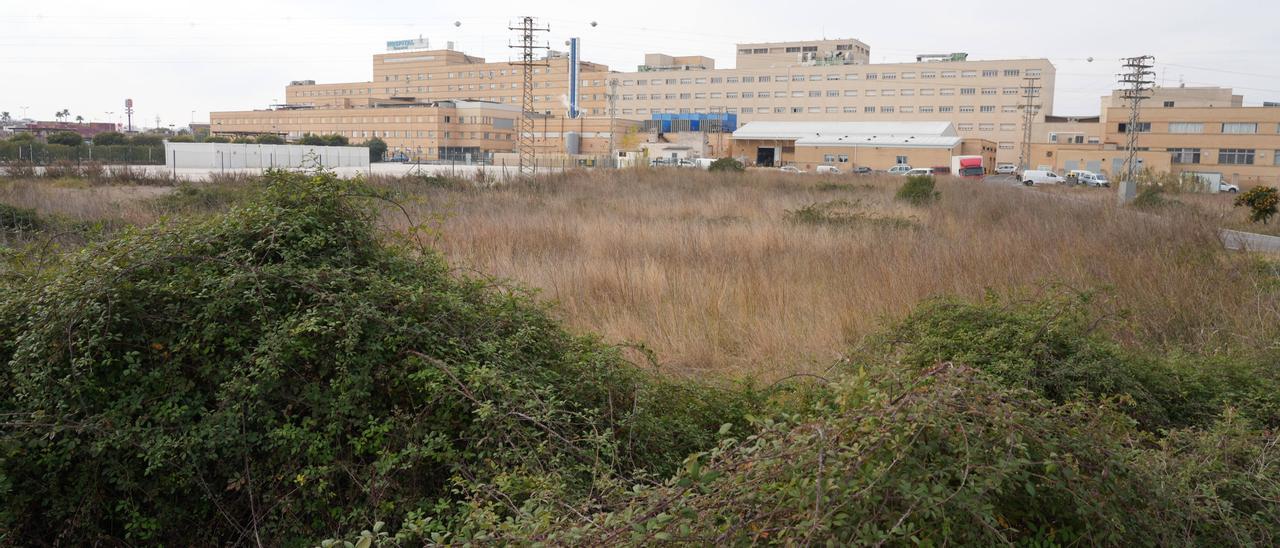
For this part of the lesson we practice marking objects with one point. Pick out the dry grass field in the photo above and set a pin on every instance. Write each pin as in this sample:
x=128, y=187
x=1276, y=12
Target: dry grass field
x=762, y=275
x=715, y=276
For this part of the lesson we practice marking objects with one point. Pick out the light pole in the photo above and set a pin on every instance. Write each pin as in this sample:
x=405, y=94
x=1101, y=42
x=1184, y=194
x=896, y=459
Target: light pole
x=24, y=112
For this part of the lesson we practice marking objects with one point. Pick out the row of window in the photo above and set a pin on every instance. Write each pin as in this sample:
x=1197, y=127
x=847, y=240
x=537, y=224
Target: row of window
x=947, y=109
x=478, y=74
x=765, y=94
x=1228, y=128
x=924, y=75
x=1226, y=156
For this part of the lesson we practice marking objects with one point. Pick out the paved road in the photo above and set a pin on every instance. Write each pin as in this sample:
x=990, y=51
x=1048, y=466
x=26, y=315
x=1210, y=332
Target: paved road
x=1248, y=241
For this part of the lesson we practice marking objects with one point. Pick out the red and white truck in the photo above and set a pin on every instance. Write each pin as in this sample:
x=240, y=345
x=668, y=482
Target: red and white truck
x=968, y=167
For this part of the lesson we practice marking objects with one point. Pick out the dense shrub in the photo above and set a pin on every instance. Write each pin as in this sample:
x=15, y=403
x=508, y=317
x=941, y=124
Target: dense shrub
x=377, y=149
x=17, y=219
x=216, y=139
x=942, y=457
x=1261, y=201
x=728, y=165
x=146, y=139
x=22, y=138
x=108, y=138
x=65, y=138
x=182, y=139
x=333, y=140
x=278, y=373
x=1055, y=346
x=918, y=190
x=269, y=139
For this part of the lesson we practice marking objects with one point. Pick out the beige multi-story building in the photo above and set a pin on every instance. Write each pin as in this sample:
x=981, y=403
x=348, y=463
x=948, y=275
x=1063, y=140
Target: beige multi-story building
x=822, y=80
x=1205, y=131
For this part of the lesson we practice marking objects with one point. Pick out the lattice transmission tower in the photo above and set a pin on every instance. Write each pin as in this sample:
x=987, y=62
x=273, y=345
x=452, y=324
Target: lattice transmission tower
x=1029, y=107
x=1136, y=85
x=528, y=29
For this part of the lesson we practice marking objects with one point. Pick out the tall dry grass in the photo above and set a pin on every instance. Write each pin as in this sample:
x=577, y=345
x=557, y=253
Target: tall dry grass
x=709, y=272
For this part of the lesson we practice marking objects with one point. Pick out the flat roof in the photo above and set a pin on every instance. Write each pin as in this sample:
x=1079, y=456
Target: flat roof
x=898, y=134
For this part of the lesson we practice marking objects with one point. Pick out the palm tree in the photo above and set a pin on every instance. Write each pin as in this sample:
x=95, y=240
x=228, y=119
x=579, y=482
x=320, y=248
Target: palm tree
x=79, y=119
x=5, y=117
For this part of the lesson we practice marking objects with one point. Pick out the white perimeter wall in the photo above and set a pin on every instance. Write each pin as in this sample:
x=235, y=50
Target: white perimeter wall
x=216, y=156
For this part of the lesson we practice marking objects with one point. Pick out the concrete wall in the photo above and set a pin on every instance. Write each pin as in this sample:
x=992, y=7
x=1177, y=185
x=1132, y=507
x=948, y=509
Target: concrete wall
x=217, y=156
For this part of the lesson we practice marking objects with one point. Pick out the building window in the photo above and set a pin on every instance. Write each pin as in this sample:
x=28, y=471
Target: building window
x=748, y=95
x=886, y=109
x=815, y=109
x=833, y=77
x=748, y=110
x=988, y=108
x=815, y=77
x=1236, y=156
x=869, y=110
x=1005, y=145
x=988, y=91
x=965, y=127
x=796, y=78
x=927, y=91
x=843, y=158
x=945, y=109
x=850, y=93
x=815, y=93
x=926, y=110
x=928, y=74
x=1276, y=160
x=967, y=91
x=851, y=77
x=832, y=110
x=969, y=74
x=797, y=110
x=1011, y=73
x=1186, y=127
x=907, y=110
x=828, y=158
x=966, y=109
x=908, y=76
x=797, y=94
x=1238, y=128
x=900, y=160
x=833, y=93
x=850, y=110
x=872, y=76
x=990, y=73
x=947, y=91
x=729, y=80
x=888, y=76
x=889, y=92
x=1142, y=127
x=1185, y=155
x=1033, y=72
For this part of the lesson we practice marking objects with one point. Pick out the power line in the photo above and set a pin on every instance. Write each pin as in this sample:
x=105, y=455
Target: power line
x=1030, y=92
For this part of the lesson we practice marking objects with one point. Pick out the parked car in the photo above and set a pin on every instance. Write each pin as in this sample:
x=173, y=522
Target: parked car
x=920, y=172
x=862, y=170
x=1041, y=177
x=1006, y=169
x=1228, y=187
x=1088, y=178
x=828, y=169
x=685, y=162
x=900, y=169
x=790, y=169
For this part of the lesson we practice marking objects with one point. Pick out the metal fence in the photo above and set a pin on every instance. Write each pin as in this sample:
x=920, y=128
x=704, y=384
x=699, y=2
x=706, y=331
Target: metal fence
x=45, y=154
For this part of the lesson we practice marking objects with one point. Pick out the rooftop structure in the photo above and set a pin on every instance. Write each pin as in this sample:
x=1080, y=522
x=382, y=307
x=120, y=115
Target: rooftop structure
x=808, y=52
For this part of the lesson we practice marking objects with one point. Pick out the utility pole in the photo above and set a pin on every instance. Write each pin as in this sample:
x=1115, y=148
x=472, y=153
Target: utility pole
x=1135, y=84
x=527, y=28
x=613, y=117
x=1030, y=92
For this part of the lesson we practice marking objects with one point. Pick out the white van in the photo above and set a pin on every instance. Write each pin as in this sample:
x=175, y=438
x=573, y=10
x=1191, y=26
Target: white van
x=1041, y=177
x=920, y=172
x=900, y=169
x=827, y=169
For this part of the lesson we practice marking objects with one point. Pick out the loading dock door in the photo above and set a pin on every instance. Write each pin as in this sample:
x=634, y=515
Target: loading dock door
x=765, y=156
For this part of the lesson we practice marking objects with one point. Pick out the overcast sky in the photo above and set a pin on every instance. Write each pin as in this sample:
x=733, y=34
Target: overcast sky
x=176, y=57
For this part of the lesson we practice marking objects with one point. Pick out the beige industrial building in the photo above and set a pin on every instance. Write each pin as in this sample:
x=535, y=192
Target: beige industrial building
x=1205, y=131
x=823, y=80
x=445, y=104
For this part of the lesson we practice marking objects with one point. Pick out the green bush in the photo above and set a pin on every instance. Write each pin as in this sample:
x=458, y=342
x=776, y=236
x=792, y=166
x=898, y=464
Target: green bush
x=939, y=457
x=109, y=138
x=216, y=139
x=17, y=219
x=377, y=149
x=1261, y=201
x=269, y=139
x=279, y=373
x=146, y=139
x=333, y=140
x=1054, y=346
x=65, y=138
x=918, y=190
x=22, y=138
x=728, y=165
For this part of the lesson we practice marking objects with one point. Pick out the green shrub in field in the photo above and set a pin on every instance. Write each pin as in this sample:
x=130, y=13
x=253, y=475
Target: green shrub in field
x=65, y=138
x=728, y=165
x=945, y=456
x=17, y=219
x=1261, y=201
x=1056, y=347
x=838, y=213
x=108, y=138
x=918, y=190
x=278, y=373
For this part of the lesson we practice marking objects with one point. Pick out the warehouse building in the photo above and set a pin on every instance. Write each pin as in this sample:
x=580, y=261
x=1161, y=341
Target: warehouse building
x=846, y=145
